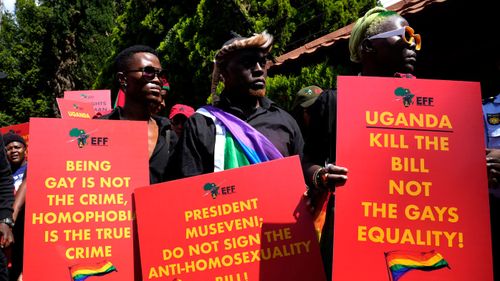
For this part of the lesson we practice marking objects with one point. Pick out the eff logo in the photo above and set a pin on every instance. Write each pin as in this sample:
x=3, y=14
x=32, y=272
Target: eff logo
x=408, y=98
x=81, y=137
x=214, y=190
x=86, y=96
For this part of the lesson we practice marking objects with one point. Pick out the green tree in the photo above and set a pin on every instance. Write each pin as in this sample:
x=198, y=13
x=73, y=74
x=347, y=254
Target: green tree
x=22, y=47
x=190, y=45
x=313, y=20
x=50, y=47
x=142, y=22
x=63, y=45
x=80, y=36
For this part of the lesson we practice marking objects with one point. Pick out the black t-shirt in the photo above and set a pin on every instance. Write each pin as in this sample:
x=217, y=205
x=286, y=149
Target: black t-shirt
x=6, y=184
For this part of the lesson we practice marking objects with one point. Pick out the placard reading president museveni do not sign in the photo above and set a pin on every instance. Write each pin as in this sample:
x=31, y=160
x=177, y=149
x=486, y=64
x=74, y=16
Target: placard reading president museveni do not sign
x=243, y=224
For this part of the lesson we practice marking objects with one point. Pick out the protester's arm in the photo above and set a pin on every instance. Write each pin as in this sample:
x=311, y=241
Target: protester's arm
x=493, y=167
x=20, y=198
x=319, y=150
x=6, y=197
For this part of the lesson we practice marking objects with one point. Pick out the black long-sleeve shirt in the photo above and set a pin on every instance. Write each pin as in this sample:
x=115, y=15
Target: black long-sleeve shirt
x=194, y=153
x=6, y=184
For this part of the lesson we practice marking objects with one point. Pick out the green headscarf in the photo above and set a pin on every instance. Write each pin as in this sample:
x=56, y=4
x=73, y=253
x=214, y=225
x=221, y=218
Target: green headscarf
x=368, y=23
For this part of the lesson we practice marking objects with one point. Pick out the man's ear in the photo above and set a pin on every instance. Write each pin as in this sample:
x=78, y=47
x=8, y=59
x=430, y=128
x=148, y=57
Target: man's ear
x=122, y=79
x=367, y=46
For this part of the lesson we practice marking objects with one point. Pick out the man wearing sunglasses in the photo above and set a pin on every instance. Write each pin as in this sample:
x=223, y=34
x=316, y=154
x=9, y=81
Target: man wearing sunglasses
x=141, y=77
x=388, y=45
x=215, y=137
x=384, y=45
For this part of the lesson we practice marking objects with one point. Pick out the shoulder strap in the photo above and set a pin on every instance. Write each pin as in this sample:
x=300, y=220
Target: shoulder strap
x=220, y=140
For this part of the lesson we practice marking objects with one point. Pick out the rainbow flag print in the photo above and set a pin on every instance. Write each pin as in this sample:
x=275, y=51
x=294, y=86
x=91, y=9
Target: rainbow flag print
x=244, y=144
x=81, y=272
x=400, y=262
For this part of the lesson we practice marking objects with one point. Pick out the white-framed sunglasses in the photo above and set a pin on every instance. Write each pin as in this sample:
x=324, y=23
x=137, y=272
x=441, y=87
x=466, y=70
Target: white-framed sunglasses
x=406, y=32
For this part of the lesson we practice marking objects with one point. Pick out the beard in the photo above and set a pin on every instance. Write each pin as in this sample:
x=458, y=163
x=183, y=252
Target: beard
x=257, y=93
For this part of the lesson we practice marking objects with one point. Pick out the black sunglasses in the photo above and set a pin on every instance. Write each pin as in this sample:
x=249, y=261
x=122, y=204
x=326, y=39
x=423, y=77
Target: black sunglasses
x=149, y=73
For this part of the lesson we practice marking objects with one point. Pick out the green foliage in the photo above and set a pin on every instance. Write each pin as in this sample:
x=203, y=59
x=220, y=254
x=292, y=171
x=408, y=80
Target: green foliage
x=59, y=45
x=190, y=45
x=282, y=88
x=21, y=41
x=6, y=119
x=49, y=47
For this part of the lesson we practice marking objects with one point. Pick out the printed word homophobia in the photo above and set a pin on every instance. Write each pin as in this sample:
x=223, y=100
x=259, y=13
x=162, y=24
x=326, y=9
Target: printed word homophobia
x=81, y=217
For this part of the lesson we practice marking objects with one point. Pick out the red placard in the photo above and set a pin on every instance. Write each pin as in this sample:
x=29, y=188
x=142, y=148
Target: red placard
x=78, y=207
x=417, y=189
x=75, y=109
x=20, y=129
x=241, y=224
x=100, y=99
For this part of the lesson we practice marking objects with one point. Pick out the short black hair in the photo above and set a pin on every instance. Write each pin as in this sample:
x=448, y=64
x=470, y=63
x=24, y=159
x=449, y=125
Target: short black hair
x=12, y=137
x=123, y=58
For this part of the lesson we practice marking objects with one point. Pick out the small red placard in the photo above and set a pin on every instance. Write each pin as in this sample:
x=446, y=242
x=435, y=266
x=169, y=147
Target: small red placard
x=75, y=109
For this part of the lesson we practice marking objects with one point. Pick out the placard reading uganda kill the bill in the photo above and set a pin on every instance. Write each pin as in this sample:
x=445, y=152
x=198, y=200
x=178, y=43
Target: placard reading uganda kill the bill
x=415, y=206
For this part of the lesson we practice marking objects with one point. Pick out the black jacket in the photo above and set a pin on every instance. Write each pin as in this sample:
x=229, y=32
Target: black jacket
x=6, y=184
x=321, y=140
x=194, y=154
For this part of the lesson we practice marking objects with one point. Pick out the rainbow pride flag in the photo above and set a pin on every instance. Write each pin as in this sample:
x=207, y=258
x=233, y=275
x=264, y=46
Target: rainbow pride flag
x=81, y=272
x=400, y=262
x=244, y=144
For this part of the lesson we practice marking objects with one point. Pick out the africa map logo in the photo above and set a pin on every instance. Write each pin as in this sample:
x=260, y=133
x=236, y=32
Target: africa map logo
x=211, y=188
x=218, y=190
x=80, y=136
x=406, y=95
x=86, y=96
